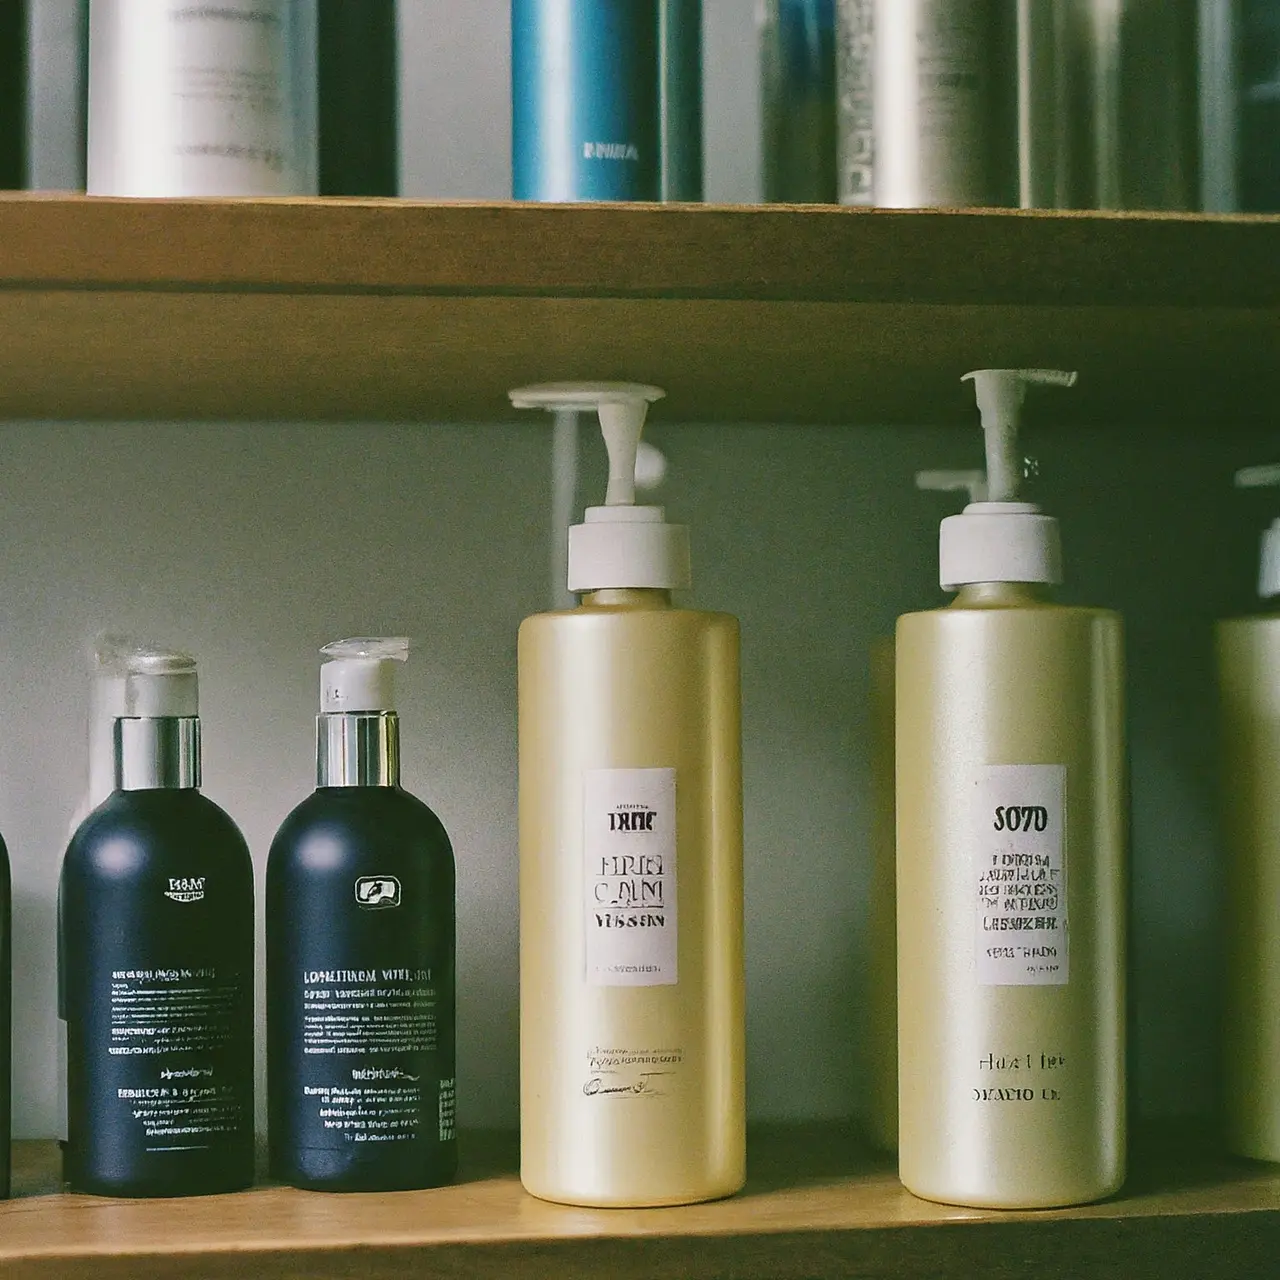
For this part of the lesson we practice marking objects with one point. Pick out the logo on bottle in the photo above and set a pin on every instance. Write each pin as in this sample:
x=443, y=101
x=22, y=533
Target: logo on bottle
x=378, y=891
x=185, y=888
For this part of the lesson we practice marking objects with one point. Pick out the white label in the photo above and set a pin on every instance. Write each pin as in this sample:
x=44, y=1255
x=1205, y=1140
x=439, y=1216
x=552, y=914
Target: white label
x=629, y=881
x=1021, y=874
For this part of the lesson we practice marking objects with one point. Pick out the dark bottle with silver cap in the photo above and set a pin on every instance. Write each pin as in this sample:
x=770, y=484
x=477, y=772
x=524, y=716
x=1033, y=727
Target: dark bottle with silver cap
x=155, y=945
x=360, y=954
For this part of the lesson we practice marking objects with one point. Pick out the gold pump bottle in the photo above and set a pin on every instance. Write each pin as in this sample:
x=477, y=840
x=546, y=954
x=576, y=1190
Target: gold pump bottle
x=632, y=1055
x=1248, y=659
x=1011, y=866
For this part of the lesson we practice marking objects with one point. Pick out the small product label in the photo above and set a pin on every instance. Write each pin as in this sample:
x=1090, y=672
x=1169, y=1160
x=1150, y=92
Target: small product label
x=372, y=1036
x=1020, y=869
x=629, y=885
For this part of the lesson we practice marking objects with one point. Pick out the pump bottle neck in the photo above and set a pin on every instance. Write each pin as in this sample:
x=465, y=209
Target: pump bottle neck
x=358, y=749
x=157, y=753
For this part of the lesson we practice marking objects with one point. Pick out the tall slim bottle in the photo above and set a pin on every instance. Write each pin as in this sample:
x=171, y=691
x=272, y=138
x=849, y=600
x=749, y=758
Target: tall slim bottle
x=1248, y=657
x=360, y=954
x=155, y=945
x=585, y=100
x=631, y=963
x=1011, y=867
x=943, y=102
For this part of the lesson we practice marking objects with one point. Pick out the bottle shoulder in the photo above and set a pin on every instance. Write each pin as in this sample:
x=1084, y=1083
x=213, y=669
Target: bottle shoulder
x=344, y=816
x=585, y=617
x=155, y=823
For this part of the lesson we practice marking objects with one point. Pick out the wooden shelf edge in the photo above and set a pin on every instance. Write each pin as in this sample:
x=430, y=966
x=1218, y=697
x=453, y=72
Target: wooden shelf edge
x=760, y=252
x=816, y=1204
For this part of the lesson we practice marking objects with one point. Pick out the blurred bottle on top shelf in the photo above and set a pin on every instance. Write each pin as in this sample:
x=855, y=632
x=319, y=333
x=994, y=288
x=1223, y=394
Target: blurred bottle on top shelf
x=798, y=74
x=193, y=99
x=1107, y=104
x=855, y=101
x=944, y=104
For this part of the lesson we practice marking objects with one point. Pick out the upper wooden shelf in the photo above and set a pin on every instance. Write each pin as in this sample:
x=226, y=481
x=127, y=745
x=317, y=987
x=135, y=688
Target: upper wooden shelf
x=815, y=1205
x=346, y=309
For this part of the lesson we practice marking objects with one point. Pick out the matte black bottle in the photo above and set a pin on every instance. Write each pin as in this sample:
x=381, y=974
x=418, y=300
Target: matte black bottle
x=155, y=919
x=360, y=956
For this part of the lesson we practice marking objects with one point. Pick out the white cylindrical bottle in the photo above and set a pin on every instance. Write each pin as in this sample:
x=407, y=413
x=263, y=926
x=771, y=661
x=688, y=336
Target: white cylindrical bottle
x=1248, y=658
x=191, y=99
x=1011, y=868
x=943, y=104
x=631, y=967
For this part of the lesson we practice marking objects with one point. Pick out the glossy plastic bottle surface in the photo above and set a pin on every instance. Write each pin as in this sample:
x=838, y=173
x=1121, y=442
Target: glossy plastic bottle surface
x=360, y=935
x=1011, y=901
x=631, y=965
x=1248, y=654
x=155, y=910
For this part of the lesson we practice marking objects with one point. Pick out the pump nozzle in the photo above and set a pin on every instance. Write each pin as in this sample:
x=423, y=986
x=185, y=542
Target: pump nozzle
x=974, y=483
x=1000, y=393
x=358, y=674
x=619, y=544
x=1269, y=562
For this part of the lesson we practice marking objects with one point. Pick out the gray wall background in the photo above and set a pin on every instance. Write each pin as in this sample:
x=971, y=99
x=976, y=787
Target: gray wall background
x=255, y=543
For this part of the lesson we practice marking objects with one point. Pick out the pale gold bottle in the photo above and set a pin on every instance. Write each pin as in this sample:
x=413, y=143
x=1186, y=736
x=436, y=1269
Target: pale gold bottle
x=1011, y=869
x=1248, y=658
x=632, y=1056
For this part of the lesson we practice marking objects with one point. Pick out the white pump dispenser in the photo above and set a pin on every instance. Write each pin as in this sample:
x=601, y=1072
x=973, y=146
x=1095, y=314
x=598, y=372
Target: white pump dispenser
x=1269, y=563
x=619, y=544
x=1002, y=539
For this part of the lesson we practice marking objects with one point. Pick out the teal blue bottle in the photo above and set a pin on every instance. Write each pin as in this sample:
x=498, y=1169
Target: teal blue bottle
x=585, y=100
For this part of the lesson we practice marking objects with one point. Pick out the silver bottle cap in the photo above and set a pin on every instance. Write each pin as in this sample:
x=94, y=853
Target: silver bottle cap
x=358, y=749
x=157, y=753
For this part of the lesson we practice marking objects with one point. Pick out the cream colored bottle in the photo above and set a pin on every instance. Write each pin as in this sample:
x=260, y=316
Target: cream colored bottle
x=1011, y=863
x=632, y=1088
x=1248, y=657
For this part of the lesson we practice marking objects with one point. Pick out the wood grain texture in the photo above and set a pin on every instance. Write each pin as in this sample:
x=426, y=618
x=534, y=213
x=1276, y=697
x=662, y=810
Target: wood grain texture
x=816, y=1204
x=389, y=310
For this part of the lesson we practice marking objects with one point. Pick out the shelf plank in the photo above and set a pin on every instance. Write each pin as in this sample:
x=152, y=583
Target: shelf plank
x=396, y=310
x=816, y=1204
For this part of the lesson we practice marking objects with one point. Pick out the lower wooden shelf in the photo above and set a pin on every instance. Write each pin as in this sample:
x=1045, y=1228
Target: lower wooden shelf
x=816, y=1204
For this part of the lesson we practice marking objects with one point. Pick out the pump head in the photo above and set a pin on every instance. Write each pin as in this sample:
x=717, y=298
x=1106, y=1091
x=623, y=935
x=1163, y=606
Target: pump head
x=1001, y=539
x=618, y=544
x=1269, y=562
x=359, y=674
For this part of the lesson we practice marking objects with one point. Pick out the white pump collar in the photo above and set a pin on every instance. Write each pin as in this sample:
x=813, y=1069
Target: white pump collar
x=1269, y=560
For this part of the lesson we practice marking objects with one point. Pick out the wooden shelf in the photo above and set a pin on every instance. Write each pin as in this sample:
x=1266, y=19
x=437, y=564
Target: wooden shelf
x=329, y=309
x=815, y=1205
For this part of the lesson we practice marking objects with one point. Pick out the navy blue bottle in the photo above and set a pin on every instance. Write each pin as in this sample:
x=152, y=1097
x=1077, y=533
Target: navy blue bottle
x=155, y=945
x=360, y=955
x=584, y=100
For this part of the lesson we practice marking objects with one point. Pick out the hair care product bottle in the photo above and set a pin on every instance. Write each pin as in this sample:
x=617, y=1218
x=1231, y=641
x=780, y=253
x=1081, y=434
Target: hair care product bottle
x=199, y=99
x=584, y=100
x=360, y=954
x=1248, y=658
x=882, y=913
x=155, y=940
x=631, y=965
x=357, y=91
x=798, y=84
x=680, y=99
x=1011, y=866
x=944, y=104
x=855, y=101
